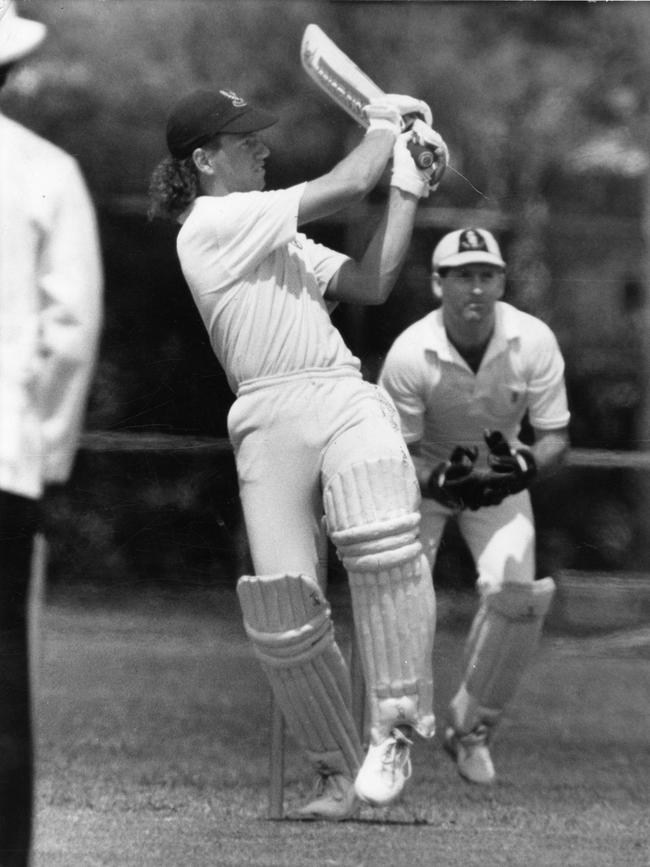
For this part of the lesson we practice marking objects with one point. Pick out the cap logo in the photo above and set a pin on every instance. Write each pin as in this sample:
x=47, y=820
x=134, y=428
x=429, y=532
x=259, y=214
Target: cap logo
x=237, y=101
x=470, y=239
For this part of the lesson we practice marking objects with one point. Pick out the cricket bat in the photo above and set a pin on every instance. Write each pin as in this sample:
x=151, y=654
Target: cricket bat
x=345, y=83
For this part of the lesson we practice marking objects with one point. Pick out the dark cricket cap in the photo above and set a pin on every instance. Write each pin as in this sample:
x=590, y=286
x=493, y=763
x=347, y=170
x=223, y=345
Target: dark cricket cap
x=202, y=114
x=465, y=246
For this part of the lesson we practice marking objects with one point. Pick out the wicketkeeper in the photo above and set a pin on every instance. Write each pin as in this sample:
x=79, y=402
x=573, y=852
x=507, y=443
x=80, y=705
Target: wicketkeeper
x=463, y=378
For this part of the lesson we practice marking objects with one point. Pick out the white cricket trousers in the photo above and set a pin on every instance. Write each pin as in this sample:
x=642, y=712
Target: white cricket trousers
x=500, y=538
x=289, y=435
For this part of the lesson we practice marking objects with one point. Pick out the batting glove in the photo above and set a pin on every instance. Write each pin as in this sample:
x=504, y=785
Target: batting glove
x=420, y=158
x=430, y=152
x=409, y=108
x=383, y=115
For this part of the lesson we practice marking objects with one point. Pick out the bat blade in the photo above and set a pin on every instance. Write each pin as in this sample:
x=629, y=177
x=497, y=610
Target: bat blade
x=347, y=85
x=338, y=76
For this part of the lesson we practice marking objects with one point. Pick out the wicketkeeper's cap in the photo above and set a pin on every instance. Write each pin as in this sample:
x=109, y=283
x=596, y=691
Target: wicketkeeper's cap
x=466, y=246
x=18, y=36
x=204, y=114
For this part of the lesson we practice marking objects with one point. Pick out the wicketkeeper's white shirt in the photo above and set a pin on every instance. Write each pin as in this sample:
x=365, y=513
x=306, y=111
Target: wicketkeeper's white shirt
x=258, y=284
x=442, y=403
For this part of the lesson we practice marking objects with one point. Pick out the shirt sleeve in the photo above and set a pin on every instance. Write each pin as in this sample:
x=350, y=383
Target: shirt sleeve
x=401, y=377
x=547, y=400
x=70, y=284
x=232, y=235
x=324, y=261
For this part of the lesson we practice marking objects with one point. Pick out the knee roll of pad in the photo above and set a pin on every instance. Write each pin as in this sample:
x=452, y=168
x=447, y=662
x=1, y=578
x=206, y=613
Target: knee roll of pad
x=500, y=646
x=288, y=621
x=373, y=508
x=373, y=521
x=372, y=517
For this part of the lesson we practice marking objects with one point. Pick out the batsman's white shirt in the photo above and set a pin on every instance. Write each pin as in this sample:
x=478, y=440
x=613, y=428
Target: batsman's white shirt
x=303, y=412
x=258, y=284
x=443, y=403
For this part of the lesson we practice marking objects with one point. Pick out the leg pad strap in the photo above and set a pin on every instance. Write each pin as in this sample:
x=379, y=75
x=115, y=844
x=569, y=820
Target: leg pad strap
x=500, y=646
x=372, y=519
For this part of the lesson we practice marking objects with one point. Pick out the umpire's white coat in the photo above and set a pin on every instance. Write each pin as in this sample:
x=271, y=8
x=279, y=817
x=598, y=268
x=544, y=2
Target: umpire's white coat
x=50, y=309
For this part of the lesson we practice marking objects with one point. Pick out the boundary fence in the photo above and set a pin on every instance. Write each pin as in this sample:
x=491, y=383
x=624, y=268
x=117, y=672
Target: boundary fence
x=118, y=441
x=600, y=598
x=162, y=443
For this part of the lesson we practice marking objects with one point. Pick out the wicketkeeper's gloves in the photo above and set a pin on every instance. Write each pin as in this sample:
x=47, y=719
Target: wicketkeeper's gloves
x=452, y=482
x=515, y=467
x=458, y=484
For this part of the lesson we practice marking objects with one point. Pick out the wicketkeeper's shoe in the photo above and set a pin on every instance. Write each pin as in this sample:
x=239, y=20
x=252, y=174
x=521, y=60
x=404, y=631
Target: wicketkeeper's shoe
x=332, y=800
x=385, y=770
x=471, y=754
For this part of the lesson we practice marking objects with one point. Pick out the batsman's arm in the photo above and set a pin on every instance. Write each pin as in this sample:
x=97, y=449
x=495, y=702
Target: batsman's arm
x=350, y=180
x=371, y=279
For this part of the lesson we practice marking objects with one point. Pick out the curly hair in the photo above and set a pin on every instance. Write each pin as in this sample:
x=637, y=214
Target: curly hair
x=173, y=187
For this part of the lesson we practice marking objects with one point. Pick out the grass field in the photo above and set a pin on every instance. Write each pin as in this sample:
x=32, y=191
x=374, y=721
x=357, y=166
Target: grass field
x=152, y=750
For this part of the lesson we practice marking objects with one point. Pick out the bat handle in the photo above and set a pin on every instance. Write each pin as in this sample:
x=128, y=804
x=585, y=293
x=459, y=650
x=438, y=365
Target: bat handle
x=422, y=155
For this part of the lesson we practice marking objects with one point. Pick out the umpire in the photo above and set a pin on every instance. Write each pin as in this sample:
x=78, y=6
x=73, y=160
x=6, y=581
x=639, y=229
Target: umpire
x=50, y=313
x=463, y=378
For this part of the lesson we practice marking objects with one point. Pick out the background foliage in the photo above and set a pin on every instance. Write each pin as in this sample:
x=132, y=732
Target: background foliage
x=544, y=107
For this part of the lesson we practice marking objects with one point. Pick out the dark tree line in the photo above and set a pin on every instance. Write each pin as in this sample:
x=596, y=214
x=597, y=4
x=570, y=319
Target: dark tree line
x=539, y=102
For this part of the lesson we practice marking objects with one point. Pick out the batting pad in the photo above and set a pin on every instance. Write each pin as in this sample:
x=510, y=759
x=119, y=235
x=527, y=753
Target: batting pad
x=500, y=645
x=288, y=621
x=372, y=519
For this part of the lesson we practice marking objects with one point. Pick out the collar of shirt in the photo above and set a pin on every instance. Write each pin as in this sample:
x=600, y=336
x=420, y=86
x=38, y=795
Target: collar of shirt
x=507, y=329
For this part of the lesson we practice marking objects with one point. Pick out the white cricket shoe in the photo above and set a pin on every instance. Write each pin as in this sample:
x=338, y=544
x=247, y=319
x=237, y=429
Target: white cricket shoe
x=333, y=799
x=471, y=754
x=385, y=770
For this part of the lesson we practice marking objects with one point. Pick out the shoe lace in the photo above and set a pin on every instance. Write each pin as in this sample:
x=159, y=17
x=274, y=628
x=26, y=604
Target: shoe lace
x=479, y=736
x=318, y=789
x=326, y=784
x=397, y=757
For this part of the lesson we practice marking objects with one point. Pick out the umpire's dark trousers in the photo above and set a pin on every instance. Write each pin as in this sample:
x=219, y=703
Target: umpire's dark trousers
x=18, y=525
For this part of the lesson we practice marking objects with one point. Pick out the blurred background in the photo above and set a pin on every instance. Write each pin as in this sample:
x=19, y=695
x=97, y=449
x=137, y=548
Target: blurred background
x=545, y=107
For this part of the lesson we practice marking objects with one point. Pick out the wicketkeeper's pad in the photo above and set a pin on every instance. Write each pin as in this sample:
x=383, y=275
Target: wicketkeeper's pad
x=288, y=620
x=373, y=520
x=502, y=641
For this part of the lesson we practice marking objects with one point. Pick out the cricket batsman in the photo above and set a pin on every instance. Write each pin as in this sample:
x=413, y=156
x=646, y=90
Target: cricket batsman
x=462, y=379
x=312, y=440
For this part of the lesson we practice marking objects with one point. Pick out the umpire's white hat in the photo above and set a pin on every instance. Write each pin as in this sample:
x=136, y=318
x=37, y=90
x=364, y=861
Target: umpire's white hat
x=466, y=246
x=18, y=36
